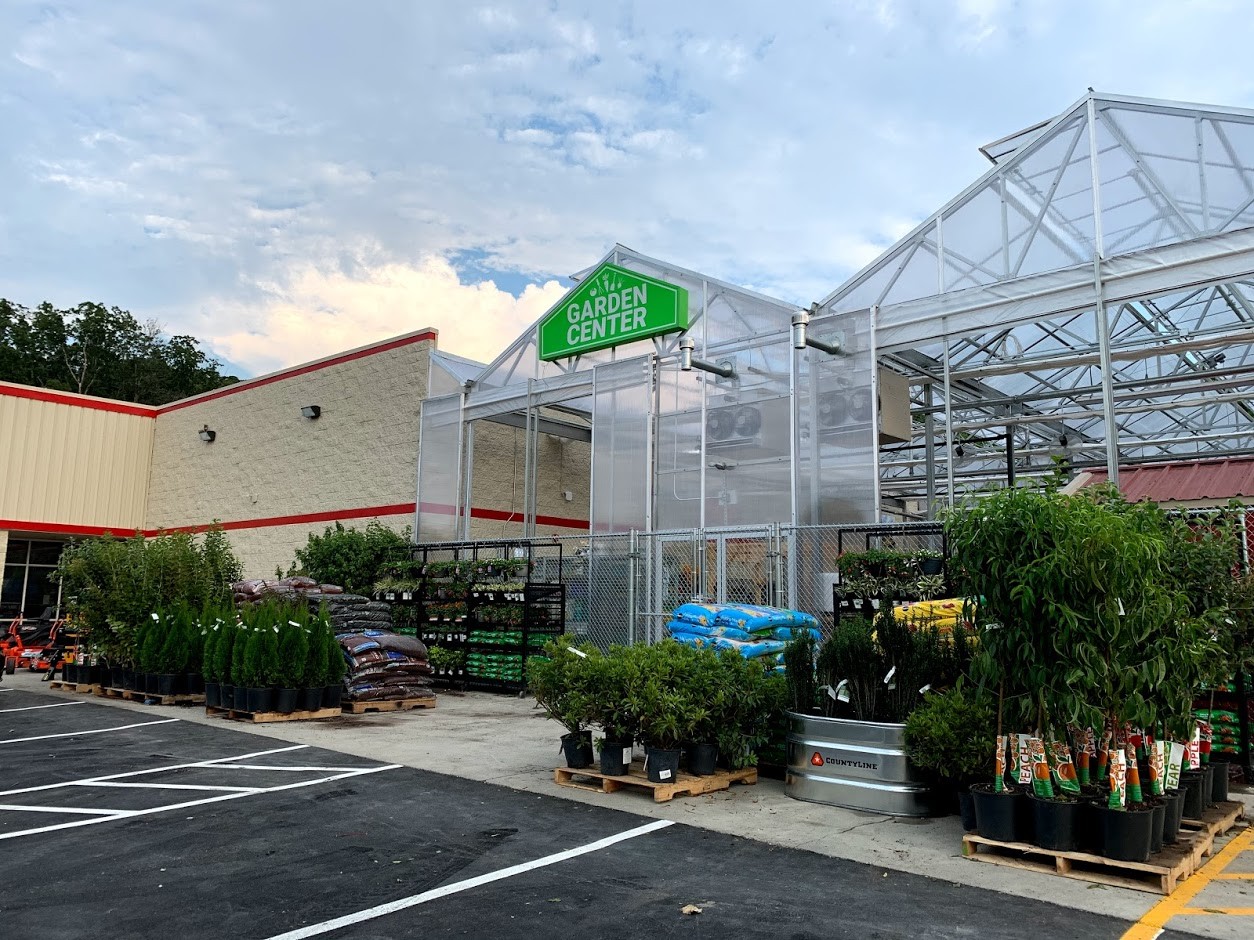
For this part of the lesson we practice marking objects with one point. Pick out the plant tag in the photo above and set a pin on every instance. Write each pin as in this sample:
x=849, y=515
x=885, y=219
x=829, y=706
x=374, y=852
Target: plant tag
x=1119, y=601
x=664, y=774
x=889, y=677
x=1174, y=759
x=927, y=688
x=626, y=756
x=580, y=653
x=842, y=691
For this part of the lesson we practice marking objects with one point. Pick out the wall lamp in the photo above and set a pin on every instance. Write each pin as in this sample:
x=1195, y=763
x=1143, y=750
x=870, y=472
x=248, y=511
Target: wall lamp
x=206, y=435
x=800, y=333
x=311, y=411
x=687, y=363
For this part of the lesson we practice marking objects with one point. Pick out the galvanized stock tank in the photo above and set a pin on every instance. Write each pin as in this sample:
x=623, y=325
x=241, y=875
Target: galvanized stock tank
x=857, y=765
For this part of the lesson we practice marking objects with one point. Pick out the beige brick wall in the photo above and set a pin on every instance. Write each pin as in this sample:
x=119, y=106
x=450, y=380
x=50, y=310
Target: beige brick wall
x=268, y=461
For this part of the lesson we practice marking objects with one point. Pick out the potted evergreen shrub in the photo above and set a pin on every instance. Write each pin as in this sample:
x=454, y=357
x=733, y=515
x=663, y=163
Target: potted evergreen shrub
x=336, y=666
x=315, y=671
x=239, y=669
x=293, y=657
x=209, y=665
x=259, y=695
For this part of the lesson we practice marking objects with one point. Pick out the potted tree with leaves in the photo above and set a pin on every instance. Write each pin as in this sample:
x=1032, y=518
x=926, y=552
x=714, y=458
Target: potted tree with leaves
x=611, y=682
x=952, y=734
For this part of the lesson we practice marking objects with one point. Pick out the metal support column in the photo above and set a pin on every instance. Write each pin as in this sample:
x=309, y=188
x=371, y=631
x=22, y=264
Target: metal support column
x=949, y=423
x=1101, y=320
x=929, y=451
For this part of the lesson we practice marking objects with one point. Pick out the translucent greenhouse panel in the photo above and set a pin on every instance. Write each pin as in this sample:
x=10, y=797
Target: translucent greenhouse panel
x=973, y=242
x=621, y=409
x=835, y=444
x=871, y=290
x=918, y=276
x=1051, y=189
x=1228, y=148
x=439, y=464
x=677, y=493
x=748, y=442
x=735, y=316
x=440, y=381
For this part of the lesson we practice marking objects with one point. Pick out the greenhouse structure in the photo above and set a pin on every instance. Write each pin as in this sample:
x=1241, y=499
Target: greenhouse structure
x=1083, y=304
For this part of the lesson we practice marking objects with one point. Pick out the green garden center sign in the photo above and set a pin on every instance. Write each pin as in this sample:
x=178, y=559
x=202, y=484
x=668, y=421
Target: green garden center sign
x=611, y=307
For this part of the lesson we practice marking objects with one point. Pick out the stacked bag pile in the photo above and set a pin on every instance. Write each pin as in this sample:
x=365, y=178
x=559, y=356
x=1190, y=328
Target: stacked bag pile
x=752, y=631
x=347, y=611
x=384, y=666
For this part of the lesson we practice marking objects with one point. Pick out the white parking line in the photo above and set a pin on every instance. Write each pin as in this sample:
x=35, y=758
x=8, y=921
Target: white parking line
x=131, y=814
x=75, y=734
x=31, y=708
x=217, y=761
x=169, y=786
x=370, y=913
x=273, y=767
x=20, y=808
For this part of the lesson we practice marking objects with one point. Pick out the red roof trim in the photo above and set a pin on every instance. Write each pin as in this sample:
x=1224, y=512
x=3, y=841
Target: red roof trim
x=1184, y=481
x=61, y=528
x=77, y=401
x=293, y=372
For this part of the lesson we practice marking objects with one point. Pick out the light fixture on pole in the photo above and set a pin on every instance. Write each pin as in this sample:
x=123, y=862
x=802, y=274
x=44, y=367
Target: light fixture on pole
x=206, y=435
x=687, y=363
x=800, y=333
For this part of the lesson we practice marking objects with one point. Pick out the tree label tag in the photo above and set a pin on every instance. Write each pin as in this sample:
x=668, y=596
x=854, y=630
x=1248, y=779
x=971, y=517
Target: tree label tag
x=580, y=653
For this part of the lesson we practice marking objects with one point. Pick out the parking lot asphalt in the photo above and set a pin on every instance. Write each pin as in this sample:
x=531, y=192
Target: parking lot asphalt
x=138, y=825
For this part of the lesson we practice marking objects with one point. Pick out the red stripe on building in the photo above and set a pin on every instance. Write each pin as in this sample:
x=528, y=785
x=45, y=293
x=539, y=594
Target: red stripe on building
x=78, y=401
x=299, y=370
x=332, y=515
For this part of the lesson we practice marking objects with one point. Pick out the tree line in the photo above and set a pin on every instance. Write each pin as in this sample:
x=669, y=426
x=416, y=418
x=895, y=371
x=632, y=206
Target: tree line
x=103, y=351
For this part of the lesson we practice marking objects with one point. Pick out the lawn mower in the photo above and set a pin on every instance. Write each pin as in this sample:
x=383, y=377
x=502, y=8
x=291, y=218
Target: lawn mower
x=34, y=644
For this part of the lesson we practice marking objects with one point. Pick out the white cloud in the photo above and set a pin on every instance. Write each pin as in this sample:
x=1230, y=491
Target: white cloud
x=318, y=310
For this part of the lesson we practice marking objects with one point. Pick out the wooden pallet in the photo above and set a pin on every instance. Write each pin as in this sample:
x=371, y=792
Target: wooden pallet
x=151, y=698
x=261, y=717
x=389, y=705
x=1216, y=821
x=684, y=785
x=1161, y=874
x=58, y=686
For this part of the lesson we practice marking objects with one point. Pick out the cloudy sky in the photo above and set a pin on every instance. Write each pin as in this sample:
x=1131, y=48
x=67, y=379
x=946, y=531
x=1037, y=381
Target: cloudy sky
x=289, y=178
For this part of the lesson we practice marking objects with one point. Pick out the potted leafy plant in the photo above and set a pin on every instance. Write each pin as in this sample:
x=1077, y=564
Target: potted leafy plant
x=930, y=561
x=611, y=682
x=561, y=685
x=951, y=734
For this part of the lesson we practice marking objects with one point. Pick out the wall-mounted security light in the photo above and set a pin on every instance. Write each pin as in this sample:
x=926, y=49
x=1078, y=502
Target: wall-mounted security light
x=800, y=334
x=311, y=411
x=687, y=362
x=206, y=435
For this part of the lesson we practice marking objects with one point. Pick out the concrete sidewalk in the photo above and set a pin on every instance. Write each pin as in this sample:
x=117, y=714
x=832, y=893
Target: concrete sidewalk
x=507, y=741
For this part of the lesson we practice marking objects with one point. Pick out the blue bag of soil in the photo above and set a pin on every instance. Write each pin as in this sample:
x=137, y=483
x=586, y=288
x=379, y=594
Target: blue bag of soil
x=787, y=633
x=700, y=629
x=756, y=619
x=701, y=614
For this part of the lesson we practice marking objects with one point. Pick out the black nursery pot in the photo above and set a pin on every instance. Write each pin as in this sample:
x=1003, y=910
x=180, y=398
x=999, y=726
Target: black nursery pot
x=995, y=813
x=702, y=759
x=663, y=765
x=285, y=700
x=577, y=746
x=931, y=566
x=966, y=810
x=167, y=684
x=615, y=757
x=69, y=673
x=1219, y=781
x=1158, y=828
x=240, y=698
x=1191, y=784
x=1175, y=811
x=1127, y=834
x=213, y=694
x=128, y=679
x=332, y=696
x=310, y=699
x=115, y=677
x=1056, y=823
x=260, y=700
x=1088, y=831
x=194, y=682
x=1208, y=785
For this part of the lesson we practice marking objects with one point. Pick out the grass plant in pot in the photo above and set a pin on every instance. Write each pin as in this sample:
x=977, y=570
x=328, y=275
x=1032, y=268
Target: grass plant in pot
x=952, y=734
x=559, y=680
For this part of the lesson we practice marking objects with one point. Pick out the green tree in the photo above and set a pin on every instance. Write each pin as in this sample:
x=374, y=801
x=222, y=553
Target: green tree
x=354, y=559
x=104, y=351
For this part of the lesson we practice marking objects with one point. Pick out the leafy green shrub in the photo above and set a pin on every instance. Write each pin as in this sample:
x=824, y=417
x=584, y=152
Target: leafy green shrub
x=560, y=681
x=113, y=585
x=293, y=654
x=952, y=733
x=354, y=559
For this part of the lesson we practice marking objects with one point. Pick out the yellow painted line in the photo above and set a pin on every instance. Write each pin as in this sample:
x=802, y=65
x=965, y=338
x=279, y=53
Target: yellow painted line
x=1235, y=876
x=1154, y=921
x=1238, y=911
